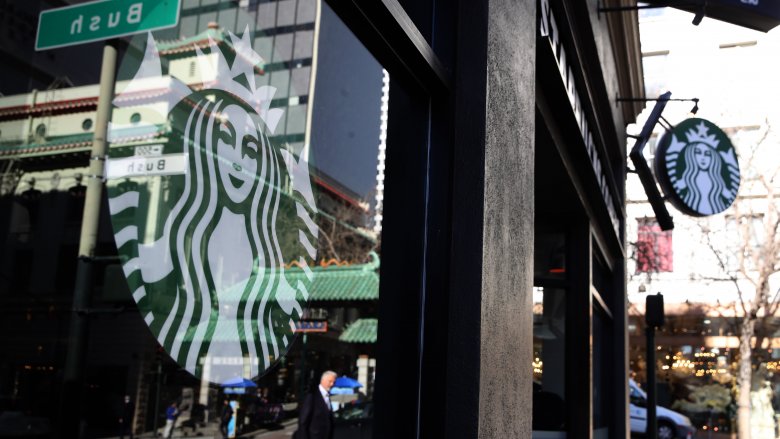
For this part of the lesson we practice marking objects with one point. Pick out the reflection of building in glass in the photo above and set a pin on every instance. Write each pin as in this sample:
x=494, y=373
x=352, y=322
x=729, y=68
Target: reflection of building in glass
x=45, y=138
x=380, y=174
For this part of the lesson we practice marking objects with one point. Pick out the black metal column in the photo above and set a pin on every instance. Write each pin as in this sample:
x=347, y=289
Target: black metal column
x=579, y=333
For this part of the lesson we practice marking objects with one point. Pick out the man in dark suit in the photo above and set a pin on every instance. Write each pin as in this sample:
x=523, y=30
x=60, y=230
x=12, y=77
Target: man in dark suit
x=315, y=420
x=126, y=418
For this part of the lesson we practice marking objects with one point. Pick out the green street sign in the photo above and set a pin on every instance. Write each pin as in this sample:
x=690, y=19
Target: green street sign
x=103, y=19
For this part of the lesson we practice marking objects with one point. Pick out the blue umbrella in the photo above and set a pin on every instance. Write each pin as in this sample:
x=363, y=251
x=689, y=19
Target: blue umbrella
x=347, y=382
x=238, y=382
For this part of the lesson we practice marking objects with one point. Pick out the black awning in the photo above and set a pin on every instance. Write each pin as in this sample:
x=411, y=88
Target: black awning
x=762, y=15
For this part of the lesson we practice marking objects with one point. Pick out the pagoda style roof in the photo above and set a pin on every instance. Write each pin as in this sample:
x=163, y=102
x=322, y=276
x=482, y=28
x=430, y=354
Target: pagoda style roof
x=341, y=282
x=360, y=331
x=186, y=47
x=334, y=283
x=84, y=98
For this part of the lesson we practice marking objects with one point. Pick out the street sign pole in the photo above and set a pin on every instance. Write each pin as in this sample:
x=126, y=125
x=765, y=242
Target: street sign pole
x=654, y=318
x=99, y=20
x=71, y=424
x=652, y=422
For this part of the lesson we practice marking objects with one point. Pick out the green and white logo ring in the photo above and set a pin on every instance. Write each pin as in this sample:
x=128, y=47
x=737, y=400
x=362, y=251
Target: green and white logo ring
x=697, y=167
x=206, y=222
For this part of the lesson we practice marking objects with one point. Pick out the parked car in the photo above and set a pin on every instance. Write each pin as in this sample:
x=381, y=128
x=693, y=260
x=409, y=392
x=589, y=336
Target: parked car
x=670, y=423
x=354, y=421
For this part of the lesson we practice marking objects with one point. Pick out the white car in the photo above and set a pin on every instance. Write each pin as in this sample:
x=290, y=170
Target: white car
x=670, y=423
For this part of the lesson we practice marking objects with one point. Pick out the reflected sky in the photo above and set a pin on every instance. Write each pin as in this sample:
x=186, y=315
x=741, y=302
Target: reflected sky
x=347, y=99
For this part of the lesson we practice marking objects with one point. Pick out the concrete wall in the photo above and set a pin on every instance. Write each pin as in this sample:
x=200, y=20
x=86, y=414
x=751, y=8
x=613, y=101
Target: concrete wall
x=507, y=270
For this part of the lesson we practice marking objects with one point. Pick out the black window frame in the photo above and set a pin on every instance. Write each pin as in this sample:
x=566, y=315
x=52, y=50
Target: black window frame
x=411, y=385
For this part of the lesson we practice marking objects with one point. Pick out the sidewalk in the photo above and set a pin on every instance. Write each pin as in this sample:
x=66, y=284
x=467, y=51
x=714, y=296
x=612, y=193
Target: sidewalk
x=701, y=434
x=211, y=431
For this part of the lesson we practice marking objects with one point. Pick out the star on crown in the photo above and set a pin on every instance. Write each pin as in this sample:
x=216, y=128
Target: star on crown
x=238, y=79
x=244, y=64
x=701, y=135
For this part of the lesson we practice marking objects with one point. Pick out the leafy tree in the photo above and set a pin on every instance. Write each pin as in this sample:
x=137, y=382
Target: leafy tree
x=715, y=397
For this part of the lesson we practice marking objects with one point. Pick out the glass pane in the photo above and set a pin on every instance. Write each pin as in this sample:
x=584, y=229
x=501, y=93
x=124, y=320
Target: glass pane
x=549, y=256
x=549, y=359
x=602, y=370
x=239, y=239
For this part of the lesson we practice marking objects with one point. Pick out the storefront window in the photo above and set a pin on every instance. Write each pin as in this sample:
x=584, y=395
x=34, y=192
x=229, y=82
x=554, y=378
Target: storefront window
x=239, y=243
x=549, y=359
x=602, y=370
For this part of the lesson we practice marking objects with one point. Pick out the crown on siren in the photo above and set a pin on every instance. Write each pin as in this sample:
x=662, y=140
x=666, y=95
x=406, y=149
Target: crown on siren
x=701, y=135
x=238, y=79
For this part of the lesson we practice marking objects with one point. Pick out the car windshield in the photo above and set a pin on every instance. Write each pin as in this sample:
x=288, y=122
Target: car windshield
x=636, y=392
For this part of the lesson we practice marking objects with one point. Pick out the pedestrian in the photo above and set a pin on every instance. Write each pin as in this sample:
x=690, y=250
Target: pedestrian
x=225, y=417
x=126, y=413
x=171, y=413
x=315, y=420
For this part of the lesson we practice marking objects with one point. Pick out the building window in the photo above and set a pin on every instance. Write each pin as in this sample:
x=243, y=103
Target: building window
x=40, y=132
x=656, y=69
x=653, y=251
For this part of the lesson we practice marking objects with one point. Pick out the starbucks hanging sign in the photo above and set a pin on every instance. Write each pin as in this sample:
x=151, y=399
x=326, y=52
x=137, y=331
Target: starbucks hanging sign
x=697, y=167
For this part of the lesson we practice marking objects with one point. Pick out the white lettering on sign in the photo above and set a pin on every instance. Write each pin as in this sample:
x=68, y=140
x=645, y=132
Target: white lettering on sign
x=145, y=166
x=134, y=13
x=750, y=2
x=133, y=16
x=549, y=28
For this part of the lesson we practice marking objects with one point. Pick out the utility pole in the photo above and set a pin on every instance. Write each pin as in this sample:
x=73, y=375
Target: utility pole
x=304, y=382
x=156, y=413
x=71, y=404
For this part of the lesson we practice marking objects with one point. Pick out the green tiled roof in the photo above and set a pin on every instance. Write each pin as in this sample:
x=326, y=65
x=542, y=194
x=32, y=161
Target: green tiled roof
x=345, y=285
x=335, y=283
x=361, y=331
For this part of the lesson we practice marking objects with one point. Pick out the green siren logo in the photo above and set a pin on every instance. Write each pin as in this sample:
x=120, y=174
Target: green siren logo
x=206, y=221
x=697, y=167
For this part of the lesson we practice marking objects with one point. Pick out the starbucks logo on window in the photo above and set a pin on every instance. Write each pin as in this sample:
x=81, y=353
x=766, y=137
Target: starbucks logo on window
x=208, y=216
x=697, y=167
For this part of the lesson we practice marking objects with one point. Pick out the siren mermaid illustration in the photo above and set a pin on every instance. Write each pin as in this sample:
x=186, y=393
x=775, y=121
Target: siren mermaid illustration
x=212, y=283
x=704, y=177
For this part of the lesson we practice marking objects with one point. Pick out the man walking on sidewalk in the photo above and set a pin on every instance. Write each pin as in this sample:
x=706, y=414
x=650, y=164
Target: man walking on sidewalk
x=126, y=418
x=316, y=418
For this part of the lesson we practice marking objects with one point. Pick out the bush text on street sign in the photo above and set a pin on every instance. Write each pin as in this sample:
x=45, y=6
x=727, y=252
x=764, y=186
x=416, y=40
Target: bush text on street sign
x=103, y=19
